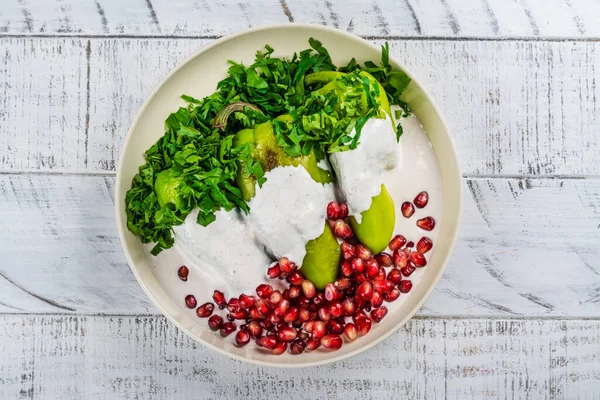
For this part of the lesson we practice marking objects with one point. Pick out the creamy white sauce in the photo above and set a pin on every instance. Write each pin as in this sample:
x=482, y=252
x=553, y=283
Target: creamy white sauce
x=226, y=251
x=288, y=211
x=359, y=171
x=291, y=207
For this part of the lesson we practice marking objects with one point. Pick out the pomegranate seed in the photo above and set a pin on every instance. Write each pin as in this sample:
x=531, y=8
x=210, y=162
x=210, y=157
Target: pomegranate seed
x=190, y=301
x=230, y=318
x=312, y=307
x=333, y=342
x=335, y=327
x=227, y=329
x=312, y=344
x=275, y=297
x=331, y=293
x=294, y=292
x=205, y=310
x=295, y=278
x=286, y=294
x=392, y=296
x=255, y=329
x=291, y=315
x=342, y=283
x=381, y=275
x=281, y=308
x=303, y=302
x=280, y=349
x=364, y=291
x=264, y=290
x=308, y=288
x=183, y=272
x=395, y=276
x=378, y=313
x=336, y=310
x=358, y=265
x=242, y=314
x=343, y=211
x=363, y=325
x=215, y=322
x=297, y=346
x=424, y=245
x=427, y=223
x=358, y=279
x=418, y=259
x=372, y=268
x=308, y=327
x=346, y=269
x=234, y=305
x=268, y=325
x=342, y=230
x=349, y=307
x=409, y=244
x=405, y=286
x=407, y=209
x=377, y=299
x=319, y=299
x=360, y=314
x=421, y=200
x=348, y=251
x=350, y=332
x=384, y=259
x=297, y=324
x=397, y=242
x=324, y=314
x=363, y=252
x=303, y=335
x=268, y=342
x=287, y=334
x=406, y=250
x=400, y=259
x=333, y=211
x=383, y=286
x=247, y=301
x=286, y=265
x=304, y=315
x=274, y=271
x=318, y=330
x=262, y=306
x=242, y=338
x=274, y=318
x=219, y=299
x=408, y=270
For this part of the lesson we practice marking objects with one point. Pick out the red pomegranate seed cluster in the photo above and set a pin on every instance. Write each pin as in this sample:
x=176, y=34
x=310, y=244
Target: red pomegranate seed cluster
x=304, y=318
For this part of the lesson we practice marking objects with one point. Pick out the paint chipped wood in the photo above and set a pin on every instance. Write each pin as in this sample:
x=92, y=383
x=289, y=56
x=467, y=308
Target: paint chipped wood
x=74, y=357
x=410, y=18
x=526, y=247
x=513, y=107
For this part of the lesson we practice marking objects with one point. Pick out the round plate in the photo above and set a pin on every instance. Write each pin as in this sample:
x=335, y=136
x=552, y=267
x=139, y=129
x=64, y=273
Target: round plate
x=198, y=76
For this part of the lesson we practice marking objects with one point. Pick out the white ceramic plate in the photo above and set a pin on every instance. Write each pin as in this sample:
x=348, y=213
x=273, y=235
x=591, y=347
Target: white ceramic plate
x=198, y=76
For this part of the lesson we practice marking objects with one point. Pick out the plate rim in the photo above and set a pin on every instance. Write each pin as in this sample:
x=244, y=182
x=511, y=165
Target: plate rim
x=120, y=209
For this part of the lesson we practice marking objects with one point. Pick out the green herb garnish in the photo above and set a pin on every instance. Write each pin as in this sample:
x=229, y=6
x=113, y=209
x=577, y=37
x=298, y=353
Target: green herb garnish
x=194, y=164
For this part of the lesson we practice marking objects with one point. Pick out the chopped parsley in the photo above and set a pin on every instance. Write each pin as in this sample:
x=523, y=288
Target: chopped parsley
x=194, y=164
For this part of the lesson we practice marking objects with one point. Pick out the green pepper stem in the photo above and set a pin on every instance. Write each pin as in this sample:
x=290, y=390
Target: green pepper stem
x=222, y=116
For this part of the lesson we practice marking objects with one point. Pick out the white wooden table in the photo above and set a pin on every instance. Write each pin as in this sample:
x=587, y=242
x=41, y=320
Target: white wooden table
x=517, y=314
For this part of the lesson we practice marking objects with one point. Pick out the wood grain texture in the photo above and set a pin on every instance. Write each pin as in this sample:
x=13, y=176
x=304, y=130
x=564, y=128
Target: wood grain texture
x=144, y=357
x=411, y=18
x=514, y=108
x=526, y=247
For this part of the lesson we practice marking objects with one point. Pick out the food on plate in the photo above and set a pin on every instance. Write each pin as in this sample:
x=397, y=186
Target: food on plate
x=285, y=193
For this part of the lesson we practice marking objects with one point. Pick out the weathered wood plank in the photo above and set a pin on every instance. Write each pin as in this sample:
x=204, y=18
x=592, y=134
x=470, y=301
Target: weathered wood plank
x=146, y=357
x=526, y=247
x=513, y=107
x=452, y=18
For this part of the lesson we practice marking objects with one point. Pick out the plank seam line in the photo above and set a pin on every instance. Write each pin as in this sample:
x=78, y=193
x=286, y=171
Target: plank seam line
x=593, y=39
x=418, y=317
x=465, y=176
